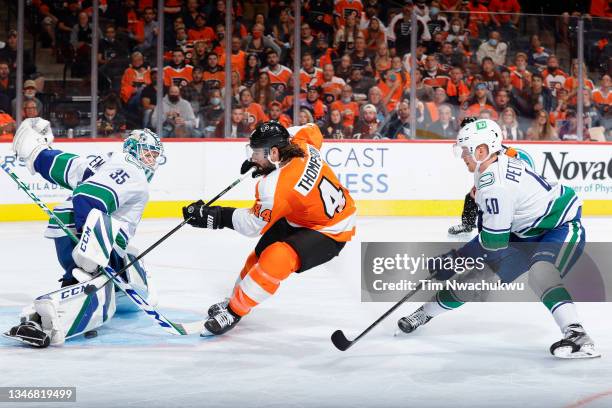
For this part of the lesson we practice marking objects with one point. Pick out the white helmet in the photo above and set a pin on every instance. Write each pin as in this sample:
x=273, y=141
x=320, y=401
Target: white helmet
x=479, y=132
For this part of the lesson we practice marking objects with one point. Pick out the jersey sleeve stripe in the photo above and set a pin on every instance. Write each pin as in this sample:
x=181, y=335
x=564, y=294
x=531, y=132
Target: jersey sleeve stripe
x=558, y=210
x=60, y=169
x=493, y=230
x=101, y=193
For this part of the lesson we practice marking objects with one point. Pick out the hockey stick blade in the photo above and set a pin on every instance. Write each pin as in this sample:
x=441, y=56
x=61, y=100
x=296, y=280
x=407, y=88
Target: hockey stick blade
x=340, y=340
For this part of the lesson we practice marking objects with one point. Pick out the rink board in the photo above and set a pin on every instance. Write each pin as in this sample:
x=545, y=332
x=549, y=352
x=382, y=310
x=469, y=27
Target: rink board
x=387, y=178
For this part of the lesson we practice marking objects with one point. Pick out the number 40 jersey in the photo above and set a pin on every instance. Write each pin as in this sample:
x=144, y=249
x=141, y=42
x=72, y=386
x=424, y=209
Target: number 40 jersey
x=514, y=199
x=305, y=192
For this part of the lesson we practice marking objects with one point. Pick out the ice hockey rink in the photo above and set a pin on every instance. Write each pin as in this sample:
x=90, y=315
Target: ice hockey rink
x=482, y=355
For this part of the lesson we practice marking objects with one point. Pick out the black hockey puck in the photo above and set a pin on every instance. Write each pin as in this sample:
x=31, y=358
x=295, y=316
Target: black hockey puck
x=91, y=334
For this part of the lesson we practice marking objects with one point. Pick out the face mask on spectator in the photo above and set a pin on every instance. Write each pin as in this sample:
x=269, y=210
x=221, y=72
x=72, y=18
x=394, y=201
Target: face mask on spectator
x=346, y=99
x=29, y=94
x=215, y=101
x=456, y=28
x=256, y=34
x=434, y=11
x=173, y=98
x=493, y=42
x=551, y=68
x=220, y=36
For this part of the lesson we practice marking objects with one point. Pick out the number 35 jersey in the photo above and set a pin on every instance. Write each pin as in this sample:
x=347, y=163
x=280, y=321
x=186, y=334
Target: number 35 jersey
x=305, y=192
x=514, y=199
x=115, y=184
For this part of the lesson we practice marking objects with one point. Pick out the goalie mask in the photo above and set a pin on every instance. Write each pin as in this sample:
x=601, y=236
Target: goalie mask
x=146, y=147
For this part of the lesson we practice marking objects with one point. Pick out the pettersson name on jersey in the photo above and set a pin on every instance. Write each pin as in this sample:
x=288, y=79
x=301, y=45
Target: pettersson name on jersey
x=311, y=172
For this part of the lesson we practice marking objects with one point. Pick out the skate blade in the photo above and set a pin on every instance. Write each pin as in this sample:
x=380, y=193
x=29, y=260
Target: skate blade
x=205, y=333
x=21, y=340
x=566, y=353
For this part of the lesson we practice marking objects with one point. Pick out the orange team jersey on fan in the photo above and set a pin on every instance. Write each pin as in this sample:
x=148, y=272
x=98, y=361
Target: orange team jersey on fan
x=238, y=62
x=281, y=76
x=308, y=79
x=132, y=80
x=305, y=192
x=254, y=115
x=214, y=79
x=204, y=33
x=178, y=77
x=350, y=111
x=601, y=97
x=344, y=7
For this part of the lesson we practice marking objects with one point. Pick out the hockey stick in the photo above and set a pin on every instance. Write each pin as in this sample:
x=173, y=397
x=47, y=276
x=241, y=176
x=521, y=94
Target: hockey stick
x=169, y=326
x=342, y=343
x=162, y=239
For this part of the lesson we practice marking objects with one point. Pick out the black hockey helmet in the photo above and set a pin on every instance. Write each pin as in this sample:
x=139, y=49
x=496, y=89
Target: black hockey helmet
x=269, y=134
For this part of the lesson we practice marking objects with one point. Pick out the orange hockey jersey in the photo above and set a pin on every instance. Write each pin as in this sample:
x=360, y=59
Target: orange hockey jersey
x=305, y=191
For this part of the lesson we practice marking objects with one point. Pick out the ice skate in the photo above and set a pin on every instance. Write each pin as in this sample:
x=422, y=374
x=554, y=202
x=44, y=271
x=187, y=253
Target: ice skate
x=575, y=344
x=410, y=323
x=220, y=323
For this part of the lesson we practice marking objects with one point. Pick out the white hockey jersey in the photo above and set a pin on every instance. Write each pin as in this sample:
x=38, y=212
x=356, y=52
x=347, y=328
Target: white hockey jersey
x=116, y=184
x=515, y=199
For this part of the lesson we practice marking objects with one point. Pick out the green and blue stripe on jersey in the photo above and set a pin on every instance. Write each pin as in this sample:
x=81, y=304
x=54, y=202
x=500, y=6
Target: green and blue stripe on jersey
x=54, y=166
x=555, y=214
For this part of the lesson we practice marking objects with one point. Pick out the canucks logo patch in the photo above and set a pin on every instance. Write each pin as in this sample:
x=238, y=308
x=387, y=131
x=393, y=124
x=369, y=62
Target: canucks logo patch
x=481, y=125
x=486, y=180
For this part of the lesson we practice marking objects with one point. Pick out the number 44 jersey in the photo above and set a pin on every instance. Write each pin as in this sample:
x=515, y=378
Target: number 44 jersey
x=514, y=199
x=305, y=192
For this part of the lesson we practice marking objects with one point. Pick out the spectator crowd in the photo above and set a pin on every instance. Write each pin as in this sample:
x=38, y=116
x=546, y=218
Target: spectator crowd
x=473, y=58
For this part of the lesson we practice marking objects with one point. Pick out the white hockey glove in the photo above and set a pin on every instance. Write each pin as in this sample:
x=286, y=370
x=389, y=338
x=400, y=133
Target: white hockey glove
x=33, y=136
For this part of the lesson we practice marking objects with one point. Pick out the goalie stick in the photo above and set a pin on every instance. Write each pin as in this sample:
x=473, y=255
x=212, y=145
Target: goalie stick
x=175, y=328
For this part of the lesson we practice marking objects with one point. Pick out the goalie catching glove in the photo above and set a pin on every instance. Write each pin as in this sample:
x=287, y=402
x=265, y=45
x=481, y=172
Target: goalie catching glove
x=200, y=215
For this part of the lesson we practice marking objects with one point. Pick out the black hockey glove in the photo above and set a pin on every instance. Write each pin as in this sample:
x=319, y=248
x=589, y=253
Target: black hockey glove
x=441, y=267
x=247, y=165
x=201, y=216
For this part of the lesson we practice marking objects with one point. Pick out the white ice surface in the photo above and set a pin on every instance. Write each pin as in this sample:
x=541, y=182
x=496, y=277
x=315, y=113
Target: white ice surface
x=483, y=355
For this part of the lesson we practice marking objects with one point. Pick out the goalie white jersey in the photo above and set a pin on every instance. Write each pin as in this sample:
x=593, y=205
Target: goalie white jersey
x=115, y=184
x=514, y=199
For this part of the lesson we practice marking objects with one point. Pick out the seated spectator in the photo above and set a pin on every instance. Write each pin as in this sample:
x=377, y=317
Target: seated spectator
x=554, y=77
x=305, y=117
x=507, y=17
x=539, y=97
x=191, y=12
x=391, y=87
x=360, y=58
x=178, y=117
x=9, y=54
x=456, y=88
x=262, y=90
x=375, y=98
x=112, y=54
x=382, y=59
x=309, y=74
x=307, y=40
x=148, y=99
x=397, y=125
x=30, y=110
x=360, y=84
x=537, y=55
x=67, y=19
x=212, y=113
x=602, y=95
x=375, y=35
x=314, y=104
x=253, y=112
x=519, y=75
x=183, y=43
x=280, y=75
x=458, y=33
x=29, y=93
x=276, y=113
x=150, y=31
x=238, y=58
x=200, y=31
x=134, y=79
x=493, y=48
x=214, y=74
x=111, y=123
x=7, y=127
x=592, y=115
x=239, y=127
x=81, y=39
x=433, y=75
x=489, y=74
x=367, y=125
x=344, y=40
x=195, y=92
x=331, y=85
x=343, y=69
x=251, y=70
x=448, y=57
x=541, y=128
x=445, y=127
x=334, y=128
x=478, y=18
x=257, y=44
x=572, y=82
x=237, y=87
x=348, y=107
x=509, y=125
x=479, y=102
x=178, y=73
x=399, y=31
